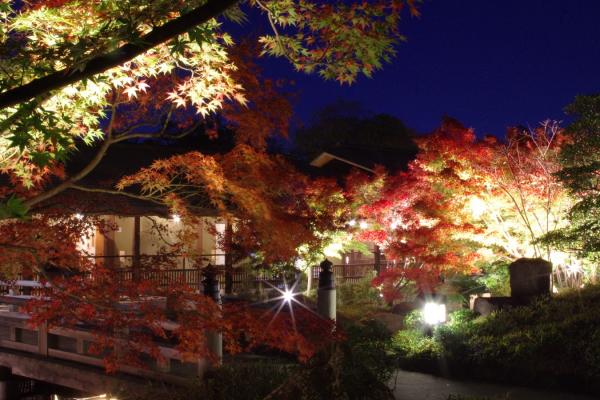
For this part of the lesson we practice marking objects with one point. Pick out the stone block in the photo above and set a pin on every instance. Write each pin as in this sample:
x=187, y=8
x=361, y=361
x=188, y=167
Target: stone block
x=530, y=278
x=486, y=305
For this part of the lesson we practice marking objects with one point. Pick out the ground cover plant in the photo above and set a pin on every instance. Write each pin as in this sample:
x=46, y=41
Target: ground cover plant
x=358, y=300
x=551, y=343
x=358, y=369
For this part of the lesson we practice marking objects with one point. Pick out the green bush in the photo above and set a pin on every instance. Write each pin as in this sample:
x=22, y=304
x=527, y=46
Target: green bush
x=357, y=369
x=360, y=292
x=246, y=381
x=370, y=344
x=357, y=300
x=461, y=397
x=552, y=342
x=368, y=363
x=237, y=381
x=414, y=346
x=495, y=278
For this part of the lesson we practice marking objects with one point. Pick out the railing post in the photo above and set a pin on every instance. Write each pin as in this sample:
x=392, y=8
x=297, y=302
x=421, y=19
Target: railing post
x=43, y=339
x=228, y=259
x=214, y=340
x=6, y=380
x=377, y=259
x=309, y=282
x=136, y=259
x=228, y=274
x=27, y=275
x=326, y=294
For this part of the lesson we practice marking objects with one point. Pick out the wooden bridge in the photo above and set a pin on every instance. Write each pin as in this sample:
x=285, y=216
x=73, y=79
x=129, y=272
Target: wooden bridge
x=61, y=355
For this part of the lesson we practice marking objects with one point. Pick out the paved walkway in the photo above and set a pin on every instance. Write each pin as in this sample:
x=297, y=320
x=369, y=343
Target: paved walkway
x=417, y=386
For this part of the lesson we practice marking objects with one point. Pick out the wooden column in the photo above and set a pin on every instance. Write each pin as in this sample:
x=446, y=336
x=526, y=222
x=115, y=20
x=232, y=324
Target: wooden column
x=110, y=250
x=27, y=275
x=377, y=259
x=228, y=259
x=6, y=384
x=43, y=339
x=136, y=262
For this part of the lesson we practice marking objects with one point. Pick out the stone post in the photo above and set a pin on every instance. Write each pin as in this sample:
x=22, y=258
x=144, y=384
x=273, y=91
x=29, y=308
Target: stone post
x=326, y=296
x=211, y=289
x=529, y=278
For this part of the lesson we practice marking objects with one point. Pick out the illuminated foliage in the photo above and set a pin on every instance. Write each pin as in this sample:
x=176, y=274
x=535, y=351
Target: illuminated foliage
x=580, y=173
x=261, y=195
x=77, y=73
x=66, y=66
x=464, y=200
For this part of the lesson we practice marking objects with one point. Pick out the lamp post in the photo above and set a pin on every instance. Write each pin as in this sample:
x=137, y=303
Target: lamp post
x=214, y=340
x=434, y=313
x=326, y=294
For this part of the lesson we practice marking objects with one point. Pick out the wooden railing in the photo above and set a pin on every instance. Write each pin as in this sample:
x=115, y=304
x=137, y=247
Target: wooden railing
x=73, y=345
x=347, y=273
x=242, y=278
x=181, y=261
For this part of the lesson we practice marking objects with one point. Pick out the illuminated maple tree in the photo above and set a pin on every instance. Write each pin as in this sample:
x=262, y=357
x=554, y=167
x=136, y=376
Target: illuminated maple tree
x=464, y=199
x=79, y=73
x=69, y=65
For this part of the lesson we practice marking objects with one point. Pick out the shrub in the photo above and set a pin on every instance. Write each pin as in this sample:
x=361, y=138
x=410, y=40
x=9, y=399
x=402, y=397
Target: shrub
x=237, y=381
x=368, y=362
x=552, y=342
x=360, y=292
x=370, y=343
x=495, y=278
x=414, y=346
x=461, y=397
x=358, y=299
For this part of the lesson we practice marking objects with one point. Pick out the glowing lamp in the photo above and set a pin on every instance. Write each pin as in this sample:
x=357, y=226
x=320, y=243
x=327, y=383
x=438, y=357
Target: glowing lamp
x=352, y=222
x=288, y=296
x=78, y=216
x=363, y=225
x=434, y=313
x=176, y=218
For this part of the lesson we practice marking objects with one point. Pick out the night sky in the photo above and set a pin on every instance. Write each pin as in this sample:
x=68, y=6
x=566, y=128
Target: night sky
x=490, y=64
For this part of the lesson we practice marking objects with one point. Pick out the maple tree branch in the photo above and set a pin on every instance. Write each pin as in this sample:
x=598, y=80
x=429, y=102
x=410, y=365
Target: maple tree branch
x=21, y=112
x=82, y=173
x=275, y=31
x=159, y=228
x=156, y=135
x=126, y=52
x=116, y=192
x=71, y=181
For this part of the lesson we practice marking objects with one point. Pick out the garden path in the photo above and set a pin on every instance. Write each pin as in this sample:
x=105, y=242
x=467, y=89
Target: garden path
x=417, y=386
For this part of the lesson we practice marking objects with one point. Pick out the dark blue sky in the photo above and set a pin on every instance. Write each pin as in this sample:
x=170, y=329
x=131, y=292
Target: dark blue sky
x=488, y=63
